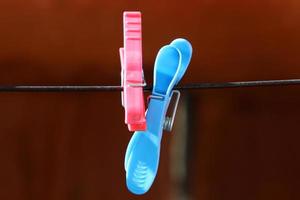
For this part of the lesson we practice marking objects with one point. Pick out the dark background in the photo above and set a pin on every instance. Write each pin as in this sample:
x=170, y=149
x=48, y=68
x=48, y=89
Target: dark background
x=234, y=144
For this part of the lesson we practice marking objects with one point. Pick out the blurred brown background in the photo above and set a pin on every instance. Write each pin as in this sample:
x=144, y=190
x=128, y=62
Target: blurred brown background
x=227, y=144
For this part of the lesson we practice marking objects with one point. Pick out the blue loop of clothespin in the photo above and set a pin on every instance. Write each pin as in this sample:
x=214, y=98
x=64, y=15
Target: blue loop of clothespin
x=143, y=151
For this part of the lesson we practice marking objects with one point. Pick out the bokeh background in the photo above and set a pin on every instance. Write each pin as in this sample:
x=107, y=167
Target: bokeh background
x=227, y=143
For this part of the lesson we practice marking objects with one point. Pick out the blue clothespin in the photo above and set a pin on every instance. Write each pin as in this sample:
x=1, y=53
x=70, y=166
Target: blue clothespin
x=143, y=150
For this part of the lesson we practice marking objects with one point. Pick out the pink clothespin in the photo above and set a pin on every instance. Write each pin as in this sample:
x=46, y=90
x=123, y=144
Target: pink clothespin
x=132, y=78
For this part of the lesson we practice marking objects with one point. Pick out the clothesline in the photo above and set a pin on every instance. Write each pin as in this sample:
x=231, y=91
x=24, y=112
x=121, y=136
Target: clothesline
x=111, y=88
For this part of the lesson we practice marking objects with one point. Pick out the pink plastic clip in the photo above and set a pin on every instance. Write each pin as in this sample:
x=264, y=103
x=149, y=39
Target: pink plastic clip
x=132, y=78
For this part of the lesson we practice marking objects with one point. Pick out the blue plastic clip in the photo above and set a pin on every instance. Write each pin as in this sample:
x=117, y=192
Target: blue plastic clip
x=143, y=151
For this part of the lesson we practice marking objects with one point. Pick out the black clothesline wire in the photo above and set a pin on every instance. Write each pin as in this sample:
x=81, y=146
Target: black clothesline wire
x=111, y=88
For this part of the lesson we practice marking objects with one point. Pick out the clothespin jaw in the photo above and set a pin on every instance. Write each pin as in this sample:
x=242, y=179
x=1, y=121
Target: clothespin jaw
x=143, y=151
x=132, y=78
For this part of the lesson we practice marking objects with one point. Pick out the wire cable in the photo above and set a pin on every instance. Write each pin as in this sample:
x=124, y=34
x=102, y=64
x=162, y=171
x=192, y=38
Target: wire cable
x=111, y=88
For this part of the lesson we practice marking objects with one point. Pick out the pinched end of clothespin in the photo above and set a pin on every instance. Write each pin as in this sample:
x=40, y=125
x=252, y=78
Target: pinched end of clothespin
x=134, y=127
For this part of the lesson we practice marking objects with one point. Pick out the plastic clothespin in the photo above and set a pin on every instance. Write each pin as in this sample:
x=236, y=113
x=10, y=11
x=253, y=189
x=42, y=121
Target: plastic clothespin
x=143, y=150
x=132, y=78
